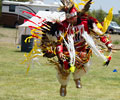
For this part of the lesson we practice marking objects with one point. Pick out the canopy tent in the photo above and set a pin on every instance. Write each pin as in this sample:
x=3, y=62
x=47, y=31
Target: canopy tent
x=36, y=21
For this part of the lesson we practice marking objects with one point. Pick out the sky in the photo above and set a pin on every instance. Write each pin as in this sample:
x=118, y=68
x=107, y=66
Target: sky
x=103, y=4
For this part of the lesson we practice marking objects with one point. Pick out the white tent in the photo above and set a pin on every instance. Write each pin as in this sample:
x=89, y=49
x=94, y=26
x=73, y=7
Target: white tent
x=47, y=15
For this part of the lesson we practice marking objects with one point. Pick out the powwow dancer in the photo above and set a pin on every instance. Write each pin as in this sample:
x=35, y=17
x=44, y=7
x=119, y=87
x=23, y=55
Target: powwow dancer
x=72, y=41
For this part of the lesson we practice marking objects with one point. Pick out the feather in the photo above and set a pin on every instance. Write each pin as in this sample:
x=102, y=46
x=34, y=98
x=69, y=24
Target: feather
x=91, y=43
x=86, y=8
x=49, y=28
x=67, y=4
x=107, y=20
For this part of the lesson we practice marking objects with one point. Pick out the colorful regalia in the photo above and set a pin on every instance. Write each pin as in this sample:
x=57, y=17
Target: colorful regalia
x=71, y=41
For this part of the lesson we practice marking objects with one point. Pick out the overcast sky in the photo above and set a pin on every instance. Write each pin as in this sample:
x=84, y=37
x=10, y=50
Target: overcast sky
x=104, y=4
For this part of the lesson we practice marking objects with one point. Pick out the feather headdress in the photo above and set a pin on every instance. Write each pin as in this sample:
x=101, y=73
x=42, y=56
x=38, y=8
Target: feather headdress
x=69, y=4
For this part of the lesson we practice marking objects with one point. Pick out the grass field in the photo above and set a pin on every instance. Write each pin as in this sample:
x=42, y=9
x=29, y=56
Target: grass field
x=101, y=83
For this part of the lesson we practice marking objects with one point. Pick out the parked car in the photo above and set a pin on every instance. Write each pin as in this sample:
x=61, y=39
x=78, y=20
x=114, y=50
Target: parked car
x=113, y=28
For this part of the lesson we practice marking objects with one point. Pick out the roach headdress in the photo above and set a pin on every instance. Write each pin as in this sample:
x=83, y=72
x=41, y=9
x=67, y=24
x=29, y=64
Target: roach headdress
x=69, y=5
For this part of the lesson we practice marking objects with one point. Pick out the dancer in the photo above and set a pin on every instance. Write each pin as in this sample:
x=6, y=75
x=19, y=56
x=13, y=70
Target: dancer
x=72, y=41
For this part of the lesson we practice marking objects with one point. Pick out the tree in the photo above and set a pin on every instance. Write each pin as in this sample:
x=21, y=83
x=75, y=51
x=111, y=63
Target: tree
x=116, y=19
x=98, y=14
x=92, y=13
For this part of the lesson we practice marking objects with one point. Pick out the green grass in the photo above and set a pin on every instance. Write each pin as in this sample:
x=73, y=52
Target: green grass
x=101, y=83
x=116, y=42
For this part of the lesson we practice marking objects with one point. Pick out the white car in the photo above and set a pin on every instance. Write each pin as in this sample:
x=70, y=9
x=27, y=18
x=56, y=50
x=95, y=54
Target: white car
x=113, y=28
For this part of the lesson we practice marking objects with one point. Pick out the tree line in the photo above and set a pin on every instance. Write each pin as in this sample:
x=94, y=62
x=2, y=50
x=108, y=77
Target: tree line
x=101, y=14
x=98, y=14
